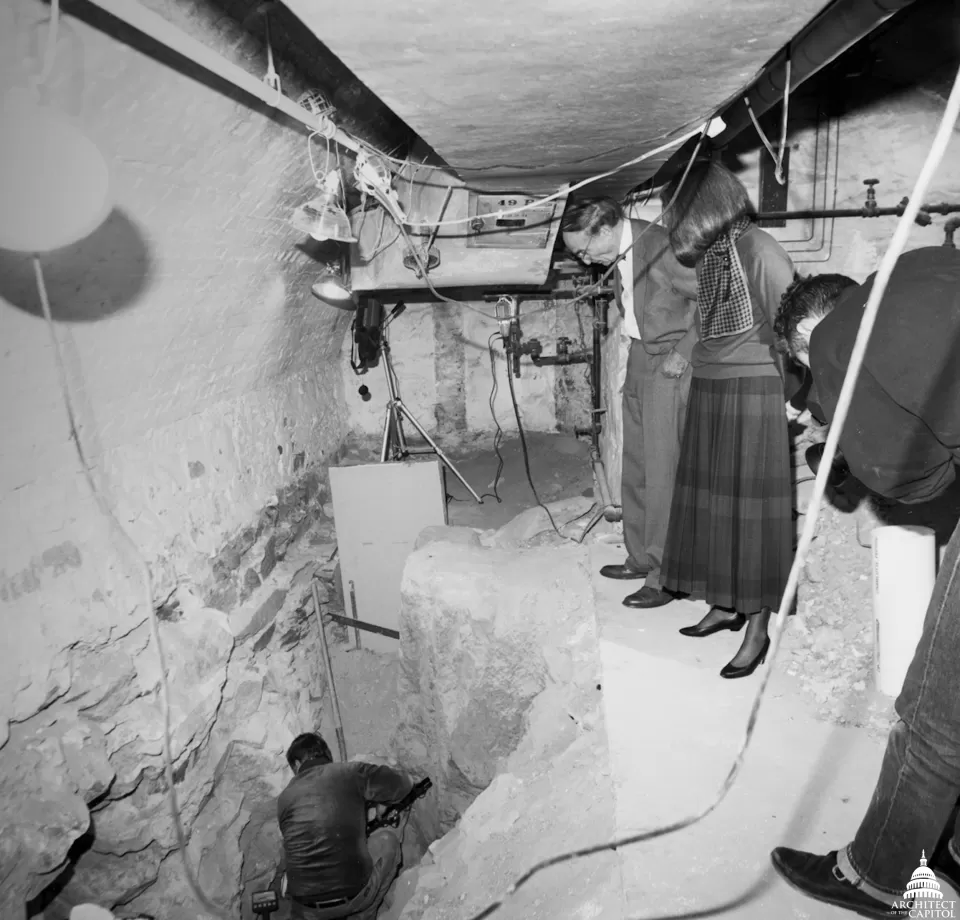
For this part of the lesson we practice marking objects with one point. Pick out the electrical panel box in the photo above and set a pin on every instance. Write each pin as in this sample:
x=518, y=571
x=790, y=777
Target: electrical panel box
x=475, y=245
x=529, y=229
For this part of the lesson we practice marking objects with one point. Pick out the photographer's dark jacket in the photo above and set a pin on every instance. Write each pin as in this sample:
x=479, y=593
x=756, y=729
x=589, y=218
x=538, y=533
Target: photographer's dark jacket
x=323, y=820
x=902, y=436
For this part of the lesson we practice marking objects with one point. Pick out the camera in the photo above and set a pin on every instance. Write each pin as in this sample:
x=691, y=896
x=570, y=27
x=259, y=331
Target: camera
x=264, y=903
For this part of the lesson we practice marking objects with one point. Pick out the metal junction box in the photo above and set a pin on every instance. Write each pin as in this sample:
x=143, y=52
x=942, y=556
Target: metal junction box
x=530, y=229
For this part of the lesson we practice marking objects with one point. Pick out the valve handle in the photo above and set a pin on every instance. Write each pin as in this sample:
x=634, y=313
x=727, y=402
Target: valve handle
x=871, y=182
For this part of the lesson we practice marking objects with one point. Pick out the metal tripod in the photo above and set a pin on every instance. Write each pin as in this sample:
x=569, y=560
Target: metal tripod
x=394, y=446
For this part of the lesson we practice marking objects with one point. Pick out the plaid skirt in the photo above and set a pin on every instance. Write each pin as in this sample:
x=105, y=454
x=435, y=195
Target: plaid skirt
x=730, y=539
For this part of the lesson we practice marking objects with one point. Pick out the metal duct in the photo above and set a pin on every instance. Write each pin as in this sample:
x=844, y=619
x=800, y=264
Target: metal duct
x=823, y=40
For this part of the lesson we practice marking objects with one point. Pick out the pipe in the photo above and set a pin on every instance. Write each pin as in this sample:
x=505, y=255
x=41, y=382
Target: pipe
x=580, y=357
x=160, y=30
x=337, y=721
x=949, y=228
x=353, y=610
x=840, y=26
x=369, y=627
x=923, y=218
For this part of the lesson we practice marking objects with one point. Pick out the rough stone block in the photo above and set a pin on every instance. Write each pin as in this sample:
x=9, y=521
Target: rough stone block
x=474, y=625
x=269, y=560
x=469, y=536
x=251, y=581
x=534, y=522
x=266, y=611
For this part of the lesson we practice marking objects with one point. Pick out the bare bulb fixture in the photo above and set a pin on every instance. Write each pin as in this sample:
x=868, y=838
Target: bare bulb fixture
x=331, y=287
x=323, y=217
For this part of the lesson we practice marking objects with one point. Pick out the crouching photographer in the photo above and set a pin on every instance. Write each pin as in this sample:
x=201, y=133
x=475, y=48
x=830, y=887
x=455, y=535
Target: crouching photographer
x=902, y=441
x=333, y=868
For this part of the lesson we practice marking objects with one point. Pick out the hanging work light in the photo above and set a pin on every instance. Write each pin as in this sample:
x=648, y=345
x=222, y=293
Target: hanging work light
x=332, y=287
x=54, y=183
x=323, y=217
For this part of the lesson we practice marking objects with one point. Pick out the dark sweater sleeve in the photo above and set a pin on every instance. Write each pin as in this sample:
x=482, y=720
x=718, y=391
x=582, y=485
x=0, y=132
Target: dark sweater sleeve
x=890, y=450
x=769, y=272
x=382, y=784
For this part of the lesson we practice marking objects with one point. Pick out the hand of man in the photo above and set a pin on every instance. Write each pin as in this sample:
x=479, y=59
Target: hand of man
x=674, y=365
x=376, y=759
x=793, y=413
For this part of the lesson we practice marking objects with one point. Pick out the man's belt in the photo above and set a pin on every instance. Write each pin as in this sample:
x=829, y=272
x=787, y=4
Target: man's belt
x=323, y=905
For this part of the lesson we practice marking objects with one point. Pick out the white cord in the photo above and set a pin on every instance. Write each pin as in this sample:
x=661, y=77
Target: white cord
x=50, y=51
x=567, y=190
x=147, y=599
x=881, y=279
x=776, y=156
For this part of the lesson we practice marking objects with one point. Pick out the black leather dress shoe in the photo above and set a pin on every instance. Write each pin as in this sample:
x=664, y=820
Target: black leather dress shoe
x=734, y=624
x=647, y=597
x=818, y=877
x=623, y=572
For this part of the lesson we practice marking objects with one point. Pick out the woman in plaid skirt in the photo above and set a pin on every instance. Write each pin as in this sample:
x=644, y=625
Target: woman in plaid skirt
x=730, y=539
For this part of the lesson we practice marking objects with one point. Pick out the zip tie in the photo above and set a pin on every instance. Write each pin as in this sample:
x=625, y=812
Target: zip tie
x=271, y=77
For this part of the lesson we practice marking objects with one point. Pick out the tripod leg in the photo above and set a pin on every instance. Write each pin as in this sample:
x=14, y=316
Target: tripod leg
x=385, y=443
x=447, y=462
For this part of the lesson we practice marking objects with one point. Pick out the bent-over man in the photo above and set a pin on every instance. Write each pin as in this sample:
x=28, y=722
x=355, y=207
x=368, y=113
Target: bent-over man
x=902, y=440
x=657, y=297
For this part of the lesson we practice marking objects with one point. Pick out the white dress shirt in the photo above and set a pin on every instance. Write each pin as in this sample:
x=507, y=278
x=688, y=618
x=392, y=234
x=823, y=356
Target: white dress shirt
x=625, y=267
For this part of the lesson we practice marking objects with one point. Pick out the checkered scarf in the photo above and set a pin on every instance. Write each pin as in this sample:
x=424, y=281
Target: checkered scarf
x=723, y=297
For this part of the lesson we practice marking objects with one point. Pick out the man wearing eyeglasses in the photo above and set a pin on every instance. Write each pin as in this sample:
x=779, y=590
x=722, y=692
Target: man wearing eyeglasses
x=657, y=298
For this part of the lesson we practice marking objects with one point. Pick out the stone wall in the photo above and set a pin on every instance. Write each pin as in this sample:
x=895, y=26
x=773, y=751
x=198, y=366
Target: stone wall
x=208, y=396
x=442, y=358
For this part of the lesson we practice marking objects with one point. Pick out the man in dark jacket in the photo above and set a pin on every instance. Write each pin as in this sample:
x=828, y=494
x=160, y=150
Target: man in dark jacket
x=657, y=297
x=333, y=869
x=902, y=440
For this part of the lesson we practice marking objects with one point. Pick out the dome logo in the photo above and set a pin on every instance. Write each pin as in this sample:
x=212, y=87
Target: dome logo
x=923, y=899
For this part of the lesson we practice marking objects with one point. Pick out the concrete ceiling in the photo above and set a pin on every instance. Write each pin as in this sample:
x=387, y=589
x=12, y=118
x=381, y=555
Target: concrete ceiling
x=554, y=90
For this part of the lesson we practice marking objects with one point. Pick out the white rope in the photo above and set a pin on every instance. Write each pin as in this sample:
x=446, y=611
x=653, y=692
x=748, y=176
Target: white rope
x=776, y=156
x=147, y=599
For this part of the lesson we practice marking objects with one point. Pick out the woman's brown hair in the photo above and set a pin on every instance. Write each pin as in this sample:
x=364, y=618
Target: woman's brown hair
x=710, y=199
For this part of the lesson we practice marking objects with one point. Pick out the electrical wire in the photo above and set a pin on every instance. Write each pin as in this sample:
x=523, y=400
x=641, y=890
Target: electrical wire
x=588, y=292
x=50, y=49
x=568, y=190
x=881, y=279
x=526, y=455
x=519, y=167
x=563, y=192
x=498, y=437
x=147, y=598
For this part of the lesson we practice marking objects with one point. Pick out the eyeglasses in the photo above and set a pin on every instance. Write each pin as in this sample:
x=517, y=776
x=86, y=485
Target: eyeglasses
x=580, y=254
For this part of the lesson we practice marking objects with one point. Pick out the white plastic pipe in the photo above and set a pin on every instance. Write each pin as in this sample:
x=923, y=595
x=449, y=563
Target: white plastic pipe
x=904, y=570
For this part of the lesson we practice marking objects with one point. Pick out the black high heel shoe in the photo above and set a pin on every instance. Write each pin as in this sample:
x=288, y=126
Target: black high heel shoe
x=732, y=671
x=735, y=624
